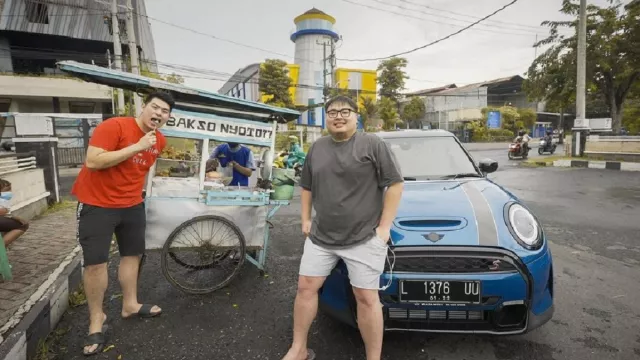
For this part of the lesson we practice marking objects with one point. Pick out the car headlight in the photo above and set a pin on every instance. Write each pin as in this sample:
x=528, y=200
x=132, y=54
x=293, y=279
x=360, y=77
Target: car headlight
x=524, y=227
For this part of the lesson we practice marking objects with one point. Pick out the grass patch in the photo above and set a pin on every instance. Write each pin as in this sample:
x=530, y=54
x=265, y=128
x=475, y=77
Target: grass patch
x=543, y=161
x=78, y=297
x=49, y=348
x=62, y=205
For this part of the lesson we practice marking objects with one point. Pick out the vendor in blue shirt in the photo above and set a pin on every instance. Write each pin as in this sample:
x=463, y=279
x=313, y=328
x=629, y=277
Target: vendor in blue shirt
x=239, y=157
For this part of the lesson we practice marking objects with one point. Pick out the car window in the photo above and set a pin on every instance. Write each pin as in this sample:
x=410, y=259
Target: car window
x=430, y=157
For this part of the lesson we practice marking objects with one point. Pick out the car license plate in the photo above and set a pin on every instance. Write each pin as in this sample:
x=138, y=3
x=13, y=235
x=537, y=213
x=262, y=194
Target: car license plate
x=440, y=291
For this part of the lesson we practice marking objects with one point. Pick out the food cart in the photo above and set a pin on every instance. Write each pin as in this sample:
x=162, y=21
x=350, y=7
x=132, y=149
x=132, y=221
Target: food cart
x=198, y=224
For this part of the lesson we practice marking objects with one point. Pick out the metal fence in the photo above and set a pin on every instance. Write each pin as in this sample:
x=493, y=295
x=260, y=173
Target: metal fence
x=14, y=162
x=70, y=156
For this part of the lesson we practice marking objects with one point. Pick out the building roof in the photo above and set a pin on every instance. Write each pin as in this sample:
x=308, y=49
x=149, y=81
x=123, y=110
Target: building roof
x=314, y=13
x=454, y=88
x=430, y=90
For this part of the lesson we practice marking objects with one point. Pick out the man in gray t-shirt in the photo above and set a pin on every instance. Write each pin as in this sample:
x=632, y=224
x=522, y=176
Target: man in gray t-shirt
x=355, y=186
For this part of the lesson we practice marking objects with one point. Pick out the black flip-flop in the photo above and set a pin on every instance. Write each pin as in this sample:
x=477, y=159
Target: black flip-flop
x=311, y=355
x=98, y=338
x=144, y=312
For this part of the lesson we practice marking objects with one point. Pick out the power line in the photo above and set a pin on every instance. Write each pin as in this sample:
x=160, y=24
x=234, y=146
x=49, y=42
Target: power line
x=534, y=27
x=519, y=32
x=436, y=41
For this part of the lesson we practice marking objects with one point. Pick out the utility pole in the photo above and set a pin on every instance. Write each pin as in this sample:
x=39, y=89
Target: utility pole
x=113, y=106
x=117, y=52
x=325, y=72
x=133, y=51
x=580, y=126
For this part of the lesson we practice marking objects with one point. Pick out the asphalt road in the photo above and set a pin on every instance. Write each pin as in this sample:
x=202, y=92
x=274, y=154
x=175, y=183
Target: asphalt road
x=591, y=217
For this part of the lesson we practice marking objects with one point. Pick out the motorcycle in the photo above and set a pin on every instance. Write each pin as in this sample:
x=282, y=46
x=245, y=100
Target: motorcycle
x=546, y=147
x=516, y=150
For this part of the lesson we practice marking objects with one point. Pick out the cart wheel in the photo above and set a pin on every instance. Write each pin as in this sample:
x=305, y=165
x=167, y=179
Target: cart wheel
x=203, y=254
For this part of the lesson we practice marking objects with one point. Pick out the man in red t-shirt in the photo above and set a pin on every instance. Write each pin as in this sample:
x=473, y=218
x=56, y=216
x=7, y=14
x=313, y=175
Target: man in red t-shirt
x=109, y=191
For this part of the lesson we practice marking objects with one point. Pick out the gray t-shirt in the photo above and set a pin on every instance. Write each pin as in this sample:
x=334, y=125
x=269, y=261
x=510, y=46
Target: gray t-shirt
x=347, y=181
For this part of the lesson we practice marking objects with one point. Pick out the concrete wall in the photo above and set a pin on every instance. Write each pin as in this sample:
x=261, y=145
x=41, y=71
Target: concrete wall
x=617, y=144
x=29, y=192
x=40, y=86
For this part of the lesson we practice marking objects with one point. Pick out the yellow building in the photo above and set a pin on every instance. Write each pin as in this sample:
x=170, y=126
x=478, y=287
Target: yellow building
x=361, y=82
x=294, y=74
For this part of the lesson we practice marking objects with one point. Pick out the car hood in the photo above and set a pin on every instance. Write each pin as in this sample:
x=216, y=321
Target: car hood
x=466, y=212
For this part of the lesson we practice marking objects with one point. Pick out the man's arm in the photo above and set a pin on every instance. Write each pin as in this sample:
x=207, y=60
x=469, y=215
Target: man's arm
x=98, y=158
x=389, y=176
x=102, y=153
x=214, y=153
x=306, y=195
x=248, y=168
x=391, y=202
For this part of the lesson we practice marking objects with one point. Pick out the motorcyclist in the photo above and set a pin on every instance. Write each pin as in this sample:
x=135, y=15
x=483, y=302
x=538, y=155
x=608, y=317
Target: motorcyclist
x=548, y=139
x=523, y=138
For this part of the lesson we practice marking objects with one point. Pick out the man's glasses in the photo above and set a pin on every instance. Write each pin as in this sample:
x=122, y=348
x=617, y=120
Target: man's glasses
x=332, y=114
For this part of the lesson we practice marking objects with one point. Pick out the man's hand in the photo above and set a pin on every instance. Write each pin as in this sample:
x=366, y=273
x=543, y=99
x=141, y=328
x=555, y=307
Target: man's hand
x=306, y=227
x=147, y=141
x=383, y=233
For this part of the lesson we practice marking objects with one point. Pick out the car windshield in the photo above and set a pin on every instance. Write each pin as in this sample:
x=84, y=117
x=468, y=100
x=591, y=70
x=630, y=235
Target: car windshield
x=429, y=158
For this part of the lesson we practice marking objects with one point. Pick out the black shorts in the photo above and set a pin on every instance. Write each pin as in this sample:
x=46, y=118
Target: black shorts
x=97, y=225
x=9, y=224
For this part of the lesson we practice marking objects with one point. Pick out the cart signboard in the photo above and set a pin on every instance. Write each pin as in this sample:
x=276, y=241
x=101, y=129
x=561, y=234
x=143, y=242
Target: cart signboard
x=220, y=128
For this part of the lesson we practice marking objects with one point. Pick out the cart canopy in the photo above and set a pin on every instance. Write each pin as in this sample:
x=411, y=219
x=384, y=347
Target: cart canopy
x=187, y=98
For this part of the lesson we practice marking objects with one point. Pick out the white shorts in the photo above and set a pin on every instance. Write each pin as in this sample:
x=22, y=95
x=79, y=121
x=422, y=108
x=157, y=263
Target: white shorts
x=365, y=261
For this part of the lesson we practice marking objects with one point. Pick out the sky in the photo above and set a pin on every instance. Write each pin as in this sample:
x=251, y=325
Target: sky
x=217, y=38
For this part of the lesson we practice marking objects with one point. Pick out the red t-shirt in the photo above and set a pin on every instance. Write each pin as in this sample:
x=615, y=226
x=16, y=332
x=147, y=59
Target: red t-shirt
x=119, y=186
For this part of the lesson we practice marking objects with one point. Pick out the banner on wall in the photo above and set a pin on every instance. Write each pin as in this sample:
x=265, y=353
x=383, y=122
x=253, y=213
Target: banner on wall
x=493, y=120
x=215, y=126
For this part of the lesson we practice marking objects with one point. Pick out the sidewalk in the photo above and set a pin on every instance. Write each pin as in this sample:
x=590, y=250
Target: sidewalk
x=564, y=161
x=43, y=260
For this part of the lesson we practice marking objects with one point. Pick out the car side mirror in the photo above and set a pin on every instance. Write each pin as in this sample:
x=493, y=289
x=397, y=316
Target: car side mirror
x=488, y=166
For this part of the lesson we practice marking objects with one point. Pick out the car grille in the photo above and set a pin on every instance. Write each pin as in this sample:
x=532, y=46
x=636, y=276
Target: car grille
x=453, y=320
x=417, y=314
x=449, y=264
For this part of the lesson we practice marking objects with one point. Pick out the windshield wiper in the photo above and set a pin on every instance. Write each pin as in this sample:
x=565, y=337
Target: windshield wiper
x=455, y=176
x=408, y=178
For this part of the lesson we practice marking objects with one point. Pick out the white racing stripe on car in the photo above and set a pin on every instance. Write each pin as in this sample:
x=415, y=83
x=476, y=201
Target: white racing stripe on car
x=485, y=221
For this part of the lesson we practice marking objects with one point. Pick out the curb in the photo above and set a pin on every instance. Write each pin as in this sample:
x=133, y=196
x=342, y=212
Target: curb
x=40, y=315
x=586, y=164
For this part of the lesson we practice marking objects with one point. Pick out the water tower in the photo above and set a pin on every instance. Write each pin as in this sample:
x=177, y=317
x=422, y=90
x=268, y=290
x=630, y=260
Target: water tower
x=314, y=40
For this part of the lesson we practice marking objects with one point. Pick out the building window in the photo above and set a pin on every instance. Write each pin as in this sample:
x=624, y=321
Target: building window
x=37, y=12
x=76, y=107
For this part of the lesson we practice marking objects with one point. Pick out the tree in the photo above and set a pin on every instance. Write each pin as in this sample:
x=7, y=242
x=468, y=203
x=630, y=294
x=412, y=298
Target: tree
x=174, y=78
x=391, y=77
x=388, y=113
x=333, y=92
x=631, y=114
x=368, y=111
x=413, y=112
x=275, y=83
x=613, y=57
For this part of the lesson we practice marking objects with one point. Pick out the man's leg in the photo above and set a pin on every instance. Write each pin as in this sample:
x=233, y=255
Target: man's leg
x=315, y=266
x=95, y=229
x=130, y=234
x=365, y=263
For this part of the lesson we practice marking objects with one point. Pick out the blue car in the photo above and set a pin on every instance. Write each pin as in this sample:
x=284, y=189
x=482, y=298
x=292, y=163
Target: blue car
x=466, y=255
